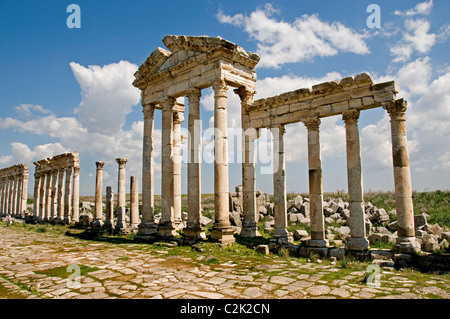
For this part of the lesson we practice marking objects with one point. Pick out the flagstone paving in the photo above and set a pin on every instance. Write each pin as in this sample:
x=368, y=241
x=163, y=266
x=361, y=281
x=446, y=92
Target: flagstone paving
x=34, y=265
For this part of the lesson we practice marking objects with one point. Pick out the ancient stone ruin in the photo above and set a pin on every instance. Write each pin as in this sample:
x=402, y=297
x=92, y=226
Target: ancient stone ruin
x=13, y=190
x=57, y=189
x=195, y=63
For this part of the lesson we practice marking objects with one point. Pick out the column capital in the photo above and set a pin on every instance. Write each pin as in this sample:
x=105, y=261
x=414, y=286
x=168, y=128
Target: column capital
x=122, y=162
x=246, y=94
x=149, y=111
x=76, y=169
x=99, y=165
x=350, y=117
x=178, y=117
x=397, y=109
x=220, y=88
x=194, y=95
x=68, y=170
x=312, y=123
x=168, y=103
x=280, y=129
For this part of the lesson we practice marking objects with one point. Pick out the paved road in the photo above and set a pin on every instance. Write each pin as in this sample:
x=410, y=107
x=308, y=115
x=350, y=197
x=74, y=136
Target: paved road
x=27, y=259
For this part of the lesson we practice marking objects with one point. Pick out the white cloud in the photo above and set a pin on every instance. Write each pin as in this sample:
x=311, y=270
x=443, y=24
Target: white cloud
x=107, y=95
x=280, y=42
x=27, y=110
x=423, y=8
x=22, y=152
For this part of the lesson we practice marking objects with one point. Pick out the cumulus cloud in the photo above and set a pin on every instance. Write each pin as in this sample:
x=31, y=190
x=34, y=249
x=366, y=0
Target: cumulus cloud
x=280, y=42
x=423, y=8
x=107, y=95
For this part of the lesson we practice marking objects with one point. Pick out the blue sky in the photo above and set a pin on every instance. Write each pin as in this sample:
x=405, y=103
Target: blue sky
x=67, y=89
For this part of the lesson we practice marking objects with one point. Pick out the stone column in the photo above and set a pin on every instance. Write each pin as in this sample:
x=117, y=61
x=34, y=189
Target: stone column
x=24, y=195
x=315, y=184
x=10, y=192
x=68, y=196
x=48, y=195
x=249, y=135
x=76, y=195
x=177, y=119
x=13, y=196
x=406, y=241
x=60, y=204
x=121, y=192
x=194, y=230
x=2, y=196
x=42, y=196
x=54, y=195
x=148, y=227
x=166, y=227
x=98, y=194
x=222, y=230
x=279, y=184
x=357, y=240
x=109, y=214
x=18, y=209
x=37, y=187
x=134, y=202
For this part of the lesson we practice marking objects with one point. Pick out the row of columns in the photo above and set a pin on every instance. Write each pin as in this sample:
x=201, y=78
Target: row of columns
x=13, y=190
x=56, y=189
x=403, y=192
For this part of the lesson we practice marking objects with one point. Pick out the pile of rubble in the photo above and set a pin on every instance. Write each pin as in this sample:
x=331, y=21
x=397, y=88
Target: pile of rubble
x=381, y=226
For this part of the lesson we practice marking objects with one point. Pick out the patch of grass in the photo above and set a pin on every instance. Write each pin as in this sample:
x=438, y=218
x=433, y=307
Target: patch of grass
x=62, y=272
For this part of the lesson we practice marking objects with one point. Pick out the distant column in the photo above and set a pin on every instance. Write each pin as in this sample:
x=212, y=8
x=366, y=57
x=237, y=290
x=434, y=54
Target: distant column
x=48, y=195
x=68, y=196
x=121, y=187
x=315, y=184
x=357, y=240
x=13, y=196
x=54, y=195
x=18, y=209
x=60, y=215
x=76, y=195
x=42, y=196
x=134, y=202
x=406, y=241
x=98, y=194
x=37, y=178
x=109, y=215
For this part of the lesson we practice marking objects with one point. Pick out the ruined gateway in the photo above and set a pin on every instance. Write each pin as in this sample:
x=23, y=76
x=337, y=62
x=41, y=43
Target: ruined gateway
x=198, y=62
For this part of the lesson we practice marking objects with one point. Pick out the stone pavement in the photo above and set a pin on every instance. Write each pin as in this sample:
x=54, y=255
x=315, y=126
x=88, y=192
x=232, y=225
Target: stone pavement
x=29, y=262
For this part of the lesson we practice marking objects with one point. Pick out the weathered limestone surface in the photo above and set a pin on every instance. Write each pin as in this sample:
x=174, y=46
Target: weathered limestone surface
x=13, y=190
x=121, y=189
x=98, y=194
x=134, y=202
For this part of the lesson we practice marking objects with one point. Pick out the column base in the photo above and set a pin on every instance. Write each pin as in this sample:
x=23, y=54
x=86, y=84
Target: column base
x=281, y=234
x=357, y=244
x=97, y=224
x=318, y=243
x=250, y=232
x=193, y=234
x=223, y=234
x=147, y=229
x=166, y=230
x=407, y=245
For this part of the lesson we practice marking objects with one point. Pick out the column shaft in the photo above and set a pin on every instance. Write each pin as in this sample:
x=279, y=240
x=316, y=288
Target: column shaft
x=357, y=240
x=177, y=119
x=48, y=194
x=60, y=216
x=148, y=227
x=279, y=184
x=54, y=195
x=222, y=230
x=109, y=214
x=121, y=187
x=406, y=241
x=315, y=184
x=193, y=228
x=166, y=227
x=76, y=195
x=134, y=202
x=98, y=192
x=68, y=196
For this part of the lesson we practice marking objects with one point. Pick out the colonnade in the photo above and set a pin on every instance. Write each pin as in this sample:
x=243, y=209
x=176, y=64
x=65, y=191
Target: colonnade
x=13, y=190
x=56, y=189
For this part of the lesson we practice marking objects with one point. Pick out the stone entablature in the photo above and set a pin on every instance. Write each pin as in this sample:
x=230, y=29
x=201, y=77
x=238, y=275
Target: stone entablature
x=322, y=100
x=13, y=190
x=56, y=189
